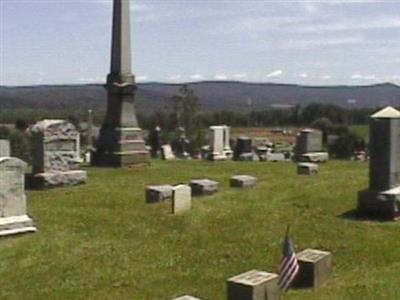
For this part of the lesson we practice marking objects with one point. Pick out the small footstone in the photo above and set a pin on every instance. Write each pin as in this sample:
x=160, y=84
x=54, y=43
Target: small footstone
x=203, y=186
x=181, y=198
x=315, y=268
x=307, y=168
x=253, y=285
x=243, y=181
x=158, y=193
x=186, y=297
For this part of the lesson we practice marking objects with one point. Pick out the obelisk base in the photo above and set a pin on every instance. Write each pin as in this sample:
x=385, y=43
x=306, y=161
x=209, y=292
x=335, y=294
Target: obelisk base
x=121, y=147
x=384, y=204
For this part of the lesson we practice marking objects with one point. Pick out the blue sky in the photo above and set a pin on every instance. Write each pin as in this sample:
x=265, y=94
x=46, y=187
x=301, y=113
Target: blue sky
x=304, y=42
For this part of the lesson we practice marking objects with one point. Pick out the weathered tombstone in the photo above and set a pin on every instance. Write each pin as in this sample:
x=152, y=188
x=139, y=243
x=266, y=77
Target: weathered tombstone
x=382, y=198
x=307, y=141
x=203, y=186
x=186, y=297
x=5, y=148
x=243, y=149
x=242, y=181
x=219, y=142
x=55, y=155
x=253, y=285
x=275, y=156
x=13, y=212
x=158, y=193
x=315, y=267
x=166, y=152
x=181, y=198
x=307, y=168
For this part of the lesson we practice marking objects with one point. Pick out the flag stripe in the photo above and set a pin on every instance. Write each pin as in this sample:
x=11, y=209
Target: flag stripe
x=289, y=265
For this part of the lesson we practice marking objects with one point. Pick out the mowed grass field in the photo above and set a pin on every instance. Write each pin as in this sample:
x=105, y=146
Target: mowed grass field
x=102, y=241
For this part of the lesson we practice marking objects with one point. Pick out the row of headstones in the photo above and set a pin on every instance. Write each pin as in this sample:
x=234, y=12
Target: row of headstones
x=181, y=194
x=315, y=268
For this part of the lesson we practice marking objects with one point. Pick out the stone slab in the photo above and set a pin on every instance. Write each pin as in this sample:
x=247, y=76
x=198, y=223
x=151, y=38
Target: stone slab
x=315, y=268
x=242, y=181
x=253, y=285
x=56, y=179
x=15, y=225
x=5, y=148
x=186, y=297
x=307, y=168
x=315, y=157
x=181, y=198
x=158, y=193
x=203, y=186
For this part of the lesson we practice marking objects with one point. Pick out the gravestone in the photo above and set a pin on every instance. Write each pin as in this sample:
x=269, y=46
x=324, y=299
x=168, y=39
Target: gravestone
x=315, y=157
x=186, y=297
x=155, y=142
x=242, y=181
x=219, y=142
x=307, y=168
x=181, y=198
x=253, y=285
x=158, y=193
x=203, y=186
x=55, y=155
x=243, y=149
x=13, y=212
x=275, y=156
x=315, y=267
x=382, y=198
x=167, y=153
x=308, y=141
x=5, y=148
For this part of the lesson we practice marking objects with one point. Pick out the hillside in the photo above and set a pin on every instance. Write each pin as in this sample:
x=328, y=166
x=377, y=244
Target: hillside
x=213, y=95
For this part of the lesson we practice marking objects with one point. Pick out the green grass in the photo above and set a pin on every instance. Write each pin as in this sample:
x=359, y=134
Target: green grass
x=102, y=241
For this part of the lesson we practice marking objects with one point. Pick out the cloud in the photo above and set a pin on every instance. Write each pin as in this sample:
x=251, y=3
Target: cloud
x=358, y=76
x=321, y=42
x=196, y=77
x=303, y=75
x=325, y=77
x=221, y=77
x=274, y=74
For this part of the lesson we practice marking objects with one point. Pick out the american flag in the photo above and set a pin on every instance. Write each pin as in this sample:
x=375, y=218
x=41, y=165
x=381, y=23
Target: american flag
x=289, y=265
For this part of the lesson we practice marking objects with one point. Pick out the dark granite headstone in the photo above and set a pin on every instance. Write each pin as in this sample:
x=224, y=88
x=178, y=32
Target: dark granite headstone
x=315, y=268
x=155, y=141
x=308, y=140
x=243, y=147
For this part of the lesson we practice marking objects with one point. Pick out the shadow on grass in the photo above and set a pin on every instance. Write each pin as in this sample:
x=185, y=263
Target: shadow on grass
x=355, y=215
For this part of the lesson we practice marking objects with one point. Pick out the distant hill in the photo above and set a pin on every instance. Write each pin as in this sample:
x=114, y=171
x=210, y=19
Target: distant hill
x=214, y=96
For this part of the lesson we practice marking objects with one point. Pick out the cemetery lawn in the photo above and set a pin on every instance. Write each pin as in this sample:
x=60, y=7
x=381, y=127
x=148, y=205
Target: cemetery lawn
x=102, y=241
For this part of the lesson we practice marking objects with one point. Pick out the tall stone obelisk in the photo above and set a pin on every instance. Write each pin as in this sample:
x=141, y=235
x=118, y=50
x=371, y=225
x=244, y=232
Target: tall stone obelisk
x=121, y=141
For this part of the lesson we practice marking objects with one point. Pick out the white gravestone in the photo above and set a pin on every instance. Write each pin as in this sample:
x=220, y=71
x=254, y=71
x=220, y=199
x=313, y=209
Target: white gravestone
x=181, y=198
x=186, y=297
x=219, y=142
x=167, y=153
x=5, y=148
x=13, y=215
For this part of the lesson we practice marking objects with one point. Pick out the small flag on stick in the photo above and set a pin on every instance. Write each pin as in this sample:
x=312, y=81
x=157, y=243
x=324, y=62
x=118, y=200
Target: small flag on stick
x=289, y=265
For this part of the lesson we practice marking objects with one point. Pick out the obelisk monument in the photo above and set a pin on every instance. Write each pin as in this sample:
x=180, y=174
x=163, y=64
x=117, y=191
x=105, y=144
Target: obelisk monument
x=121, y=141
